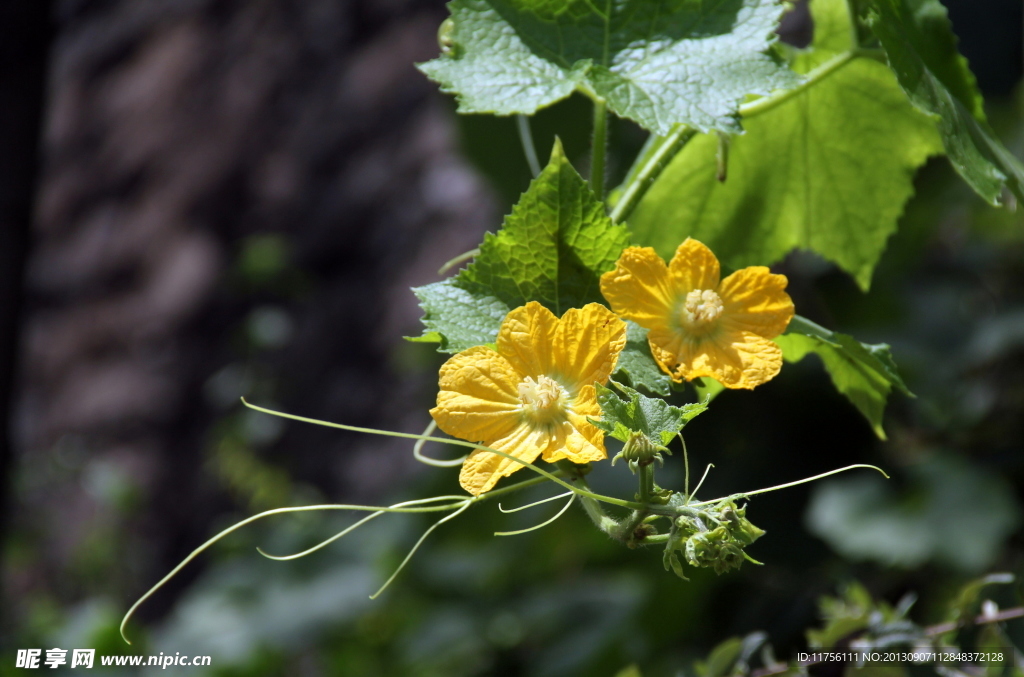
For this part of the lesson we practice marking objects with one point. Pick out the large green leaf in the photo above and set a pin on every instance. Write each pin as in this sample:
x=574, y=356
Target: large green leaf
x=657, y=62
x=552, y=248
x=919, y=42
x=658, y=420
x=829, y=169
x=864, y=373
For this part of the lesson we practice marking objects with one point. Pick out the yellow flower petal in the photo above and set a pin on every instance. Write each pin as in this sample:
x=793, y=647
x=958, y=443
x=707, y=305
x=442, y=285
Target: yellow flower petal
x=693, y=267
x=575, y=446
x=482, y=470
x=526, y=337
x=586, y=345
x=667, y=349
x=638, y=288
x=479, y=397
x=736, y=359
x=531, y=397
x=755, y=300
x=588, y=443
x=698, y=324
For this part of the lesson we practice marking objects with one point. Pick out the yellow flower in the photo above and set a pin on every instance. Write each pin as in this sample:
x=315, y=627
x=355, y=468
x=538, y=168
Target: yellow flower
x=531, y=397
x=698, y=325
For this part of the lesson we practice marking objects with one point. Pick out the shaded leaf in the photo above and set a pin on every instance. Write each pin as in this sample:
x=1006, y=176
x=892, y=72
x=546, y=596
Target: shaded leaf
x=865, y=373
x=843, y=616
x=952, y=514
x=964, y=606
x=636, y=365
x=721, y=659
x=921, y=48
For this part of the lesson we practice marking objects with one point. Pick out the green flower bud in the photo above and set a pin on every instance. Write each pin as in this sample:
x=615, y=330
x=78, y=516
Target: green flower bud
x=639, y=450
x=446, y=38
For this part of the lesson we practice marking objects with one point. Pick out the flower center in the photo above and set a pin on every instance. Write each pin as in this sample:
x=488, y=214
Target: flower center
x=702, y=307
x=543, y=399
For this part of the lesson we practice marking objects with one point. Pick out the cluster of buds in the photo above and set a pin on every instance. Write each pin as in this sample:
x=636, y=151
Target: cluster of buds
x=714, y=537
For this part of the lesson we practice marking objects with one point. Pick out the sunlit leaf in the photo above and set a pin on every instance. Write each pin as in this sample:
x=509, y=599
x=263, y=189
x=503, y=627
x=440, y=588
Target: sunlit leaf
x=652, y=416
x=657, y=62
x=827, y=170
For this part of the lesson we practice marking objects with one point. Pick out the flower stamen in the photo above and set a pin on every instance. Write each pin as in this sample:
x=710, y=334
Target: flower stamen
x=701, y=308
x=543, y=399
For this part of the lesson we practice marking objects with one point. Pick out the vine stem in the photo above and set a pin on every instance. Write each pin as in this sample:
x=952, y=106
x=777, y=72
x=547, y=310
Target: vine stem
x=599, y=147
x=646, y=482
x=593, y=509
x=1005, y=615
x=526, y=139
x=650, y=171
x=451, y=263
x=676, y=139
x=763, y=105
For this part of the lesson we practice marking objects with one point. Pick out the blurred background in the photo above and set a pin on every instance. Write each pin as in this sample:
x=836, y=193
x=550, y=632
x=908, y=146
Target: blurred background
x=204, y=199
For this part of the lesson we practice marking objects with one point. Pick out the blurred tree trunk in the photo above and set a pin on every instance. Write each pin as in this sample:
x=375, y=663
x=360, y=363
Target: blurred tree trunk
x=237, y=196
x=25, y=33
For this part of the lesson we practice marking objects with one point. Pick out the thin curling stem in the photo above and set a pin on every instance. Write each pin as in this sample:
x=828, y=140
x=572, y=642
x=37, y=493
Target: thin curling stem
x=417, y=451
x=416, y=547
x=535, y=503
x=572, y=497
x=703, y=477
x=451, y=263
x=792, y=484
x=461, y=443
x=353, y=527
x=267, y=513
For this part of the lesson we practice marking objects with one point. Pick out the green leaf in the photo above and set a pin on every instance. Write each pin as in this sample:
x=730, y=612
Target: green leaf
x=963, y=607
x=552, y=248
x=456, y=318
x=843, y=616
x=951, y=513
x=721, y=659
x=827, y=169
x=657, y=62
x=652, y=416
x=921, y=47
x=636, y=365
x=865, y=373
